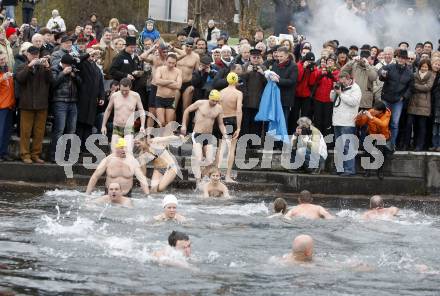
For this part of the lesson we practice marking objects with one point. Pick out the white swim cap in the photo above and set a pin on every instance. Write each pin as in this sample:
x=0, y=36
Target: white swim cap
x=169, y=199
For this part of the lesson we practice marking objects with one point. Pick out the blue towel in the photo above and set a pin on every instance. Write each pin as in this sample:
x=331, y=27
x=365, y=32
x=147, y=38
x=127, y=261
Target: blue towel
x=271, y=110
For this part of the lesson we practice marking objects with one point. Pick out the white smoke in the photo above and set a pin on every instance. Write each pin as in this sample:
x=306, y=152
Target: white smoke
x=386, y=26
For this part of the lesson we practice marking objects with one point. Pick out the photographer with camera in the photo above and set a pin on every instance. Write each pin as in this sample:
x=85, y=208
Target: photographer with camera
x=34, y=78
x=307, y=77
x=308, y=144
x=65, y=96
x=346, y=96
x=254, y=83
x=202, y=79
x=377, y=121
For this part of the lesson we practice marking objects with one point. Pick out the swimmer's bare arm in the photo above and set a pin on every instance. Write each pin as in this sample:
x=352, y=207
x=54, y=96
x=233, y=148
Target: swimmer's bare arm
x=100, y=170
x=239, y=115
x=127, y=203
x=107, y=113
x=165, y=140
x=225, y=192
x=158, y=78
x=178, y=83
x=100, y=200
x=325, y=214
x=221, y=124
x=206, y=190
x=180, y=53
x=140, y=108
x=394, y=211
x=191, y=108
x=141, y=178
x=290, y=214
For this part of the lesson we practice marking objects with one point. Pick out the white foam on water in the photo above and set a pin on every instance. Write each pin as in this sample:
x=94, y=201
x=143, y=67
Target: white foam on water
x=212, y=257
x=56, y=253
x=64, y=193
x=54, y=227
x=348, y=214
x=238, y=210
x=238, y=264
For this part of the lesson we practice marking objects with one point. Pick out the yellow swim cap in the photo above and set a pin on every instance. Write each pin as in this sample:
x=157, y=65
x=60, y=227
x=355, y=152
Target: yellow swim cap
x=214, y=95
x=121, y=143
x=232, y=78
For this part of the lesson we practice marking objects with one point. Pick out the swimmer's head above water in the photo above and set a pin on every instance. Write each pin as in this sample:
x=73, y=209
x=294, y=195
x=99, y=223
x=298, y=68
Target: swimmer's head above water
x=280, y=206
x=114, y=190
x=305, y=197
x=169, y=204
x=180, y=241
x=214, y=175
x=376, y=202
x=302, y=248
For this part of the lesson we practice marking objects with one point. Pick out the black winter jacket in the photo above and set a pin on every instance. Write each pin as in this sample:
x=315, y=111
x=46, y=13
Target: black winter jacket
x=123, y=64
x=435, y=97
x=287, y=84
x=65, y=87
x=398, y=83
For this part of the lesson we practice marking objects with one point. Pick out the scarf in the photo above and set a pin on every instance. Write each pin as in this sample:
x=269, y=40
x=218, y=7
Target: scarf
x=422, y=75
x=283, y=65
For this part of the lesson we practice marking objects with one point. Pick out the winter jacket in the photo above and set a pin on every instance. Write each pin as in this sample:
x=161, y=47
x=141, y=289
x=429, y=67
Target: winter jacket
x=324, y=85
x=420, y=101
x=202, y=82
x=219, y=81
x=376, y=125
x=153, y=35
x=56, y=56
x=65, y=87
x=398, y=83
x=123, y=64
x=365, y=76
x=306, y=80
x=56, y=24
x=108, y=54
x=435, y=95
x=346, y=106
x=288, y=73
x=10, y=2
x=29, y=4
x=6, y=48
x=315, y=142
x=34, y=83
x=254, y=84
x=7, y=98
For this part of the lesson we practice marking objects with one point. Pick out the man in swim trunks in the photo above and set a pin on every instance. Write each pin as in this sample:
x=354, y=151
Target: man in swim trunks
x=302, y=250
x=231, y=102
x=207, y=111
x=307, y=210
x=168, y=79
x=214, y=187
x=169, y=205
x=187, y=64
x=114, y=196
x=120, y=167
x=377, y=209
x=124, y=103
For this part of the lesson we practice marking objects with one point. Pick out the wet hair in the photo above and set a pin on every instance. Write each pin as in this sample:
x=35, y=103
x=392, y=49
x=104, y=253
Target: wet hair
x=380, y=106
x=423, y=62
x=125, y=82
x=376, y=201
x=305, y=196
x=280, y=205
x=213, y=170
x=176, y=236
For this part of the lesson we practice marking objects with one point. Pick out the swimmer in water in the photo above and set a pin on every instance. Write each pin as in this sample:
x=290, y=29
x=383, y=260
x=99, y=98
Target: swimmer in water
x=178, y=241
x=114, y=197
x=306, y=209
x=377, y=209
x=169, y=205
x=279, y=208
x=302, y=250
x=214, y=187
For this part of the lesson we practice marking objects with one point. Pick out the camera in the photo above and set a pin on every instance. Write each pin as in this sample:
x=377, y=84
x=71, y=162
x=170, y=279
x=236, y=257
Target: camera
x=339, y=86
x=254, y=68
x=305, y=131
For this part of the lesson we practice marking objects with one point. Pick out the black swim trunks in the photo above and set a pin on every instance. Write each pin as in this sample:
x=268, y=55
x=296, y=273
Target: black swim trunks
x=184, y=86
x=166, y=103
x=230, y=125
x=203, y=139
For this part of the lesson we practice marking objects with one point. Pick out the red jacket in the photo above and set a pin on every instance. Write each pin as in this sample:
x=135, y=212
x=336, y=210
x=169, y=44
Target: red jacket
x=305, y=81
x=325, y=85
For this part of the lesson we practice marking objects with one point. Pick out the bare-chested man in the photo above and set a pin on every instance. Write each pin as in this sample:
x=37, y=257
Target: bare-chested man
x=187, y=64
x=157, y=57
x=114, y=196
x=231, y=102
x=214, y=187
x=302, y=250
x=307, y=210
x=169, y=205
x=168, y=79
x=120, y=167
x=124, y=103
x=378, y=211
x=207, y=111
